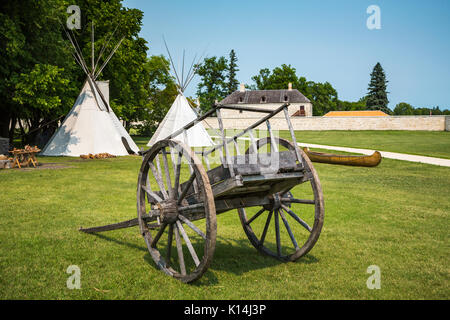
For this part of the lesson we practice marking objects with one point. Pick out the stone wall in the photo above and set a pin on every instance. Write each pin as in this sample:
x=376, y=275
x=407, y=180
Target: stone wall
x=4, y=146
x=423, y=123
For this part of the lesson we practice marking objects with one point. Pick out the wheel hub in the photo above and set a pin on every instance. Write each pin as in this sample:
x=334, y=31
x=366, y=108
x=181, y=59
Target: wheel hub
x=275, y=202
x=168, y=211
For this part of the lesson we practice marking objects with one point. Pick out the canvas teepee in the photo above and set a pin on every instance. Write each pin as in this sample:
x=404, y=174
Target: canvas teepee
x=180, y=114
x=91, y=125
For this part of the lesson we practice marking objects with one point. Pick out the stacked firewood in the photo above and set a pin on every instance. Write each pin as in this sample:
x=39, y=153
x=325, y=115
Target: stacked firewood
x=5, y=162
x=29, y=148
x=97, y=156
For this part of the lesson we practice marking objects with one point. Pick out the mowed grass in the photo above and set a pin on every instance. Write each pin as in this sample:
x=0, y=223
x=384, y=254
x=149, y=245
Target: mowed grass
x=425, y=143
x=394, y=216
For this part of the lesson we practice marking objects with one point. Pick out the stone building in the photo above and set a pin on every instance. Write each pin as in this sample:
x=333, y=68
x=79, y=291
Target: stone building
x=267, y=99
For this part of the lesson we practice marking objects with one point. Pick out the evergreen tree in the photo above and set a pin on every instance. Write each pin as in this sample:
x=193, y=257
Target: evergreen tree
x=213, y=85
x=377, y=95
x=232, y=69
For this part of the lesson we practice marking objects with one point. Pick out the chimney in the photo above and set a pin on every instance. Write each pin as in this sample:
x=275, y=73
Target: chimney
x=242, y=87
x=290, y=86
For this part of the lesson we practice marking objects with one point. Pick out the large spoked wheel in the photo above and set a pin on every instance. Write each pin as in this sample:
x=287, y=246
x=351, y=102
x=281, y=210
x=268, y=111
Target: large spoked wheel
x=297, y=213
x=172, y=182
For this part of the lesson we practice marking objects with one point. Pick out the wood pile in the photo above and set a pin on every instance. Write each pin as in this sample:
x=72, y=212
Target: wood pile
x=29, y=148
x=97, y=156
x=5, y=162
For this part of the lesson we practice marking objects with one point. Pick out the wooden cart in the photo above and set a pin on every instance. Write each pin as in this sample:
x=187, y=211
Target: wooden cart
x=180, y=193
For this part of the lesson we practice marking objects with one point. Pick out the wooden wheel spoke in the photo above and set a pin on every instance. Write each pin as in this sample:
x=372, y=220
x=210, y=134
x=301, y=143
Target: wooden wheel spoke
x=191, y=169
x=158, y=235
x=180, y=251
x=160, y=176
x=180, y=196
x=158, y=179
x=277, y=232
x=266, y=227
x=169, y=244
x=177, y=170
x=286, y=192
x=186, y=188
x=288, y=228
x=167, y=171
x=188, y=243
x=293, y=215
x=255, y=216
x=192, y=226
x=152, y=197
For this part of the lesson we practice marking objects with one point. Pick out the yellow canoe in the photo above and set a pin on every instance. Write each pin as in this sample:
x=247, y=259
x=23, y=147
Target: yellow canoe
x=349, y=160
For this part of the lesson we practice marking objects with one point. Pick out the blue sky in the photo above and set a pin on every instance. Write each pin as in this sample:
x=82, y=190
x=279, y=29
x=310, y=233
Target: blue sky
x=324, y=40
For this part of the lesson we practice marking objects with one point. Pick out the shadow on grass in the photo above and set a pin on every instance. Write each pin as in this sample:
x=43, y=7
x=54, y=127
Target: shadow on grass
x=233, y=256
x=239, y=256
x=124, y=243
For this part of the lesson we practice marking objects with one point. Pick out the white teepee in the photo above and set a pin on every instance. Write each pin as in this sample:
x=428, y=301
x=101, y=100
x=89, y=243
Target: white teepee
x=180, y=114
x=90, y=128
x=91, y=125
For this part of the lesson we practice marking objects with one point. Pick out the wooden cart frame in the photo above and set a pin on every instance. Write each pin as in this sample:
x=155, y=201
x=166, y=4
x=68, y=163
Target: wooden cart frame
x=179, y=199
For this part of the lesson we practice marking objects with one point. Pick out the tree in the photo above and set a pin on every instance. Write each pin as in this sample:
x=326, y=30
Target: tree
x=31, y=46
x=377, y=94
x=352, y=105
x=233, y=83
x=163, y=91
x=42, y=91
x=403, y=108
x=213, y=85
x=36, y=62
x=322, y=95
x=279, y=78
x=127, y=69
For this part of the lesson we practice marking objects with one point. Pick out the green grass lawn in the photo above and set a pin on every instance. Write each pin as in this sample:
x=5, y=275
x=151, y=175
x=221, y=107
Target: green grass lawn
x=394, y=216
x=425, y=143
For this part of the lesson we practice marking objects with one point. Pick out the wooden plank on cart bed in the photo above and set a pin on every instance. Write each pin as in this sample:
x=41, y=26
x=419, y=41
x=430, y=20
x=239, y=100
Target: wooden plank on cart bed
x=284, y=161
x=226, y=185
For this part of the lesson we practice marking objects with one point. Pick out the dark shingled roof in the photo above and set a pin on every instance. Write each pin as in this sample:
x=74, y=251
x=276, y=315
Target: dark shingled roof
x=265, y=96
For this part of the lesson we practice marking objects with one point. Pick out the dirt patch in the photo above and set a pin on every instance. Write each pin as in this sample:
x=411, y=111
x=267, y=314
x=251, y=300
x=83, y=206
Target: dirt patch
x=43, y=166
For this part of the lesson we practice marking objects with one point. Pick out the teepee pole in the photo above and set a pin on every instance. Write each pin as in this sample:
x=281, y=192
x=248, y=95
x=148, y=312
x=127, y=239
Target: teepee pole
x=77, y=54
x=171, y=61
x=182, y=73
x=109, y=58
x=93, y=50
x=104, y=47
x=192, y=75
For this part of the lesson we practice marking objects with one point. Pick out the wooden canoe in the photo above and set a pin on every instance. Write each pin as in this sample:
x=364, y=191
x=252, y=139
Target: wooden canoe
x=349, y=160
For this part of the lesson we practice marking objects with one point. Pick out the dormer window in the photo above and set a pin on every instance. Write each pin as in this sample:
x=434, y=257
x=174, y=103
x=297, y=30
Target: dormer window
x=263, y=99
